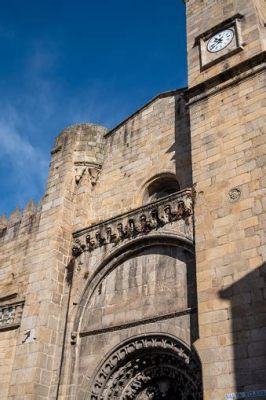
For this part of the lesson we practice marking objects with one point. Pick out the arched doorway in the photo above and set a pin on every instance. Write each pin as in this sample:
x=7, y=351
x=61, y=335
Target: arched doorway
x=152, y=366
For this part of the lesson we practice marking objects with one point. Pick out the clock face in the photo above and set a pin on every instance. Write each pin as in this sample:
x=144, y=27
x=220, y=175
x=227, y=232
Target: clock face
x=220, y=41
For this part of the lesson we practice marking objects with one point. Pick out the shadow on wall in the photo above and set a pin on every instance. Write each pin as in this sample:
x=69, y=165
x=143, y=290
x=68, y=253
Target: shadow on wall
x=247, y=298
x=192, y=299
x=181, y=148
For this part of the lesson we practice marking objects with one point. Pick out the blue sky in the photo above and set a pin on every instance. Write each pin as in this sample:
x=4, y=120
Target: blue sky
x=65, y=62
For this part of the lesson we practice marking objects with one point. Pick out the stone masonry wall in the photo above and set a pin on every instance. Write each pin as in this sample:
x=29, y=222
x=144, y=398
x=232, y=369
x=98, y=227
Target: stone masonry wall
x=147, y=144
x=209, y=13
x=228, y=152
x=14, y=278
x=154, y=141
x=35, y=249
x=93, y=176
x=228, y=164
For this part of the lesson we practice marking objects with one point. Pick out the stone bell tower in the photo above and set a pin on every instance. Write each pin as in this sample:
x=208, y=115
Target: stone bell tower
x=226, y=97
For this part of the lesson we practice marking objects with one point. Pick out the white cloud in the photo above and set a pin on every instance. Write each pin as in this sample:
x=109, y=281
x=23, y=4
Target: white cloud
x=26, y=164
x=35, y=113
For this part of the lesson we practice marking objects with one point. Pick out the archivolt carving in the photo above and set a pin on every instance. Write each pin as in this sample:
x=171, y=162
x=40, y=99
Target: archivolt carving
x=151, y=367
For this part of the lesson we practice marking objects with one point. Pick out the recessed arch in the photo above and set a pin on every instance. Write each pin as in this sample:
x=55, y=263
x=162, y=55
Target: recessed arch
x=152, y=365
x=163, y=321
x=117, y=257
x=159, y=186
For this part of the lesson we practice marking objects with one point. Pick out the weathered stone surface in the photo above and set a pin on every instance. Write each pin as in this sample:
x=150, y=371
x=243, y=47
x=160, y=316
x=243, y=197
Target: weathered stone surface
x=227, y=114
x=105, y=263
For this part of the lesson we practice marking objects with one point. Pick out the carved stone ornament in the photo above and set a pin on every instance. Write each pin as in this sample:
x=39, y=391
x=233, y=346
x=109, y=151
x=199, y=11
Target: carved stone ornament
x=79, y=172
x=82, y=168
x=150, y=367
x=10, y=315
x=151, y=217
x=93, y=174
x=234, y=194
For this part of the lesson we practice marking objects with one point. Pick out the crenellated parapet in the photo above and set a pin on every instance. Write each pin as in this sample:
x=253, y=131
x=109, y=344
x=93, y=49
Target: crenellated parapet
x=19, y=221
x=173, y=212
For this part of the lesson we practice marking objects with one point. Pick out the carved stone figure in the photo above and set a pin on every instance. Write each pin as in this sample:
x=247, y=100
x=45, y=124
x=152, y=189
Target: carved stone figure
x=94, y=175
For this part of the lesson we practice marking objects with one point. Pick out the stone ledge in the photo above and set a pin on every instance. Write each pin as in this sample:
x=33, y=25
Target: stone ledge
x=144, y=321
x=227, y=78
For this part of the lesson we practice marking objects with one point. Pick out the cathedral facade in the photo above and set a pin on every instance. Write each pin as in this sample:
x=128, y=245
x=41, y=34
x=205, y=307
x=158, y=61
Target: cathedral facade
x=141, y=274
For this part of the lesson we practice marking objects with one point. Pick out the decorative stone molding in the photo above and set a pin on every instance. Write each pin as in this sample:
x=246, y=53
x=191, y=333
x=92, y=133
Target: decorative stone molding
x=10, y=315
x=93, y=171
x=153, y=366
x=232, y=76
x=142, y=321
x=234, y=194
x=140, y=221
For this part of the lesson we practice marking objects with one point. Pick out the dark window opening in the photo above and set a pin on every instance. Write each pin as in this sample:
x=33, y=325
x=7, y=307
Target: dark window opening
x=161, y=187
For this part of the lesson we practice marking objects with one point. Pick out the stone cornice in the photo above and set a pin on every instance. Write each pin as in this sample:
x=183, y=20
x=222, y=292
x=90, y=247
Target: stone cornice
x=136, y=223
x=226, y=78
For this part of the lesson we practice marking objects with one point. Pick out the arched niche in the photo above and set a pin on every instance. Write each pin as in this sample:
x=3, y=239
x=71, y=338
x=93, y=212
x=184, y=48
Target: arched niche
x=172, y=310
x=160, y=186
x=148, y=279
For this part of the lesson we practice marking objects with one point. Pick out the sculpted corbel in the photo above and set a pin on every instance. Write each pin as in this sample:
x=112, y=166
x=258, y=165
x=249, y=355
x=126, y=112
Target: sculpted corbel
x=84, y=167
x=94, y=175
x=79, y=172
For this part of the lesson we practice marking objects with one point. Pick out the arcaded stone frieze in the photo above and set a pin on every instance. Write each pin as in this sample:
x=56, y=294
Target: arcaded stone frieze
x=141, y=221
x=10, y=315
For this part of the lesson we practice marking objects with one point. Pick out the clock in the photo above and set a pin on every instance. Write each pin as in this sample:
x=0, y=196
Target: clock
x=220, y=41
